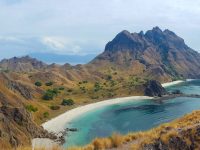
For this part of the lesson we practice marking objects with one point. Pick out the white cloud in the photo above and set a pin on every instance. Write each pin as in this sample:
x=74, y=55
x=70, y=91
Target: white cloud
x=85, y=26
x=54, y=43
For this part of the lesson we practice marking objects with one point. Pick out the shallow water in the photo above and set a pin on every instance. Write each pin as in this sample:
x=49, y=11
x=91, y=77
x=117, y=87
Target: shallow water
x=138, y=115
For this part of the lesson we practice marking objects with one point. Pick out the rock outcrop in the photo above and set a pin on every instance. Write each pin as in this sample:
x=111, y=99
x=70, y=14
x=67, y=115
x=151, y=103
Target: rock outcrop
x=154, y=88
x=17, y=127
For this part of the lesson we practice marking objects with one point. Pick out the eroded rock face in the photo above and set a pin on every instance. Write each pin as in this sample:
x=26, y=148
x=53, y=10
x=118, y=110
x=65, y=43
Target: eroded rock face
x=154, y=88
x=17, y=127
x=24, y=90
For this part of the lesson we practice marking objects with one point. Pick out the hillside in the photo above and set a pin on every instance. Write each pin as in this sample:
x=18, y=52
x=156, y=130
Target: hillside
x=156, y=53
x=24, y=64
x=129, y=65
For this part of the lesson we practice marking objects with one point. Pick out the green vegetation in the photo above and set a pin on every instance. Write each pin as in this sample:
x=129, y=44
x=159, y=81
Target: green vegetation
x=31, y=108
x=109, y=77
x=45, y=114
x=49, y=94
x=54, y=107
x=49, y=83
x=69, y=90
x=85, y=81
x=38, y=83
x=61, y=88
x=97, y=87
x=68, y=102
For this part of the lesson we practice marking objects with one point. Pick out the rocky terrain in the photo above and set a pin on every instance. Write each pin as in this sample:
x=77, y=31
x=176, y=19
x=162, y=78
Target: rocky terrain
x=156, y=53
x=32, y=92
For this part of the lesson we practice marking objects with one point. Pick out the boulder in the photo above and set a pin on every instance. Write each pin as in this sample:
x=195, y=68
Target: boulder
x=154, y=88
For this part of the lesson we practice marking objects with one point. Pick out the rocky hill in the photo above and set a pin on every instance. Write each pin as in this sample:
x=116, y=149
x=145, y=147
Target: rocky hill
x=24, y=64
x=156, y=53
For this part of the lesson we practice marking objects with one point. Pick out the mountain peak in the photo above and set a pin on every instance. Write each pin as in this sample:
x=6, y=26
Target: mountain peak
x=156, y=29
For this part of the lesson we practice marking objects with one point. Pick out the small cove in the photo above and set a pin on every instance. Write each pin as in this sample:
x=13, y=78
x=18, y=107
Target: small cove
x=137, y=115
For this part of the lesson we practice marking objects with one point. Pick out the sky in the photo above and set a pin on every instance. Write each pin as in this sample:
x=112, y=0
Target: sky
x=83, y=27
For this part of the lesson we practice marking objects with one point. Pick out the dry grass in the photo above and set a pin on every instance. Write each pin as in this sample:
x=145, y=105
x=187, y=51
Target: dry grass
x=29, y=148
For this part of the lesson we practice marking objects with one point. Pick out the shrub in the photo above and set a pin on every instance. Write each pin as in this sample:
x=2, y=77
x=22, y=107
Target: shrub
x=49, y=94
x=85, y=81
x=68, y=102
x=97, y=86
x=31, y=108
x=54, y=107
x=38, y=83
x=61, y=88
x=109, y=77
x=45, y=114
x=69, y=90
x=49, y=83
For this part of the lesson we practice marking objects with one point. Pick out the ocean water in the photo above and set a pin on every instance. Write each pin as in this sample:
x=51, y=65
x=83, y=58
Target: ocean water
x=138, y=115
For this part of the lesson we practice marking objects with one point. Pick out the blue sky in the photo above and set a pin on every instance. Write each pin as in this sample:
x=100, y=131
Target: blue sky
x=82, y=27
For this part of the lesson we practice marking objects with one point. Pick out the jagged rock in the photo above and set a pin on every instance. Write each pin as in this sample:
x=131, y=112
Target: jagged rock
x=24, y=64
x=159, y=49
x=18, y=128
x=154, y=88
x=24, y=90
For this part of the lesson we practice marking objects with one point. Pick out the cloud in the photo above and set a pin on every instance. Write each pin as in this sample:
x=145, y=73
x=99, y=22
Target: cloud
x=79, y=27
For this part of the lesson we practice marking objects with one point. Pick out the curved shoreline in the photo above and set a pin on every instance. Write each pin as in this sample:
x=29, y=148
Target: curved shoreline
x=57, y=124
x=172, y=83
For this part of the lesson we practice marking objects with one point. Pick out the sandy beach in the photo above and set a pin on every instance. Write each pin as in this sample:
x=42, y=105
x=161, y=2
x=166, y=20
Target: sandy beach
x=58, y=124
x=172, y=83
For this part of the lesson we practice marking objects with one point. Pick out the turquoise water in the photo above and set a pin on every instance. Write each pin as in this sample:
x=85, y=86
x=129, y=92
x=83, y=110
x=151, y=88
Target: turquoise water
x=133, y=116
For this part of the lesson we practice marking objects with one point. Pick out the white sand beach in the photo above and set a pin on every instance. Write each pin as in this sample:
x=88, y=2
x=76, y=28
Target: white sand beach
x=58, y=124
x=172, y=83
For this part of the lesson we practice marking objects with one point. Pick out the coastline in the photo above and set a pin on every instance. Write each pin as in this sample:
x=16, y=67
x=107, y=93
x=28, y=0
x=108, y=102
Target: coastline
x=167, y=84
x=58, y=123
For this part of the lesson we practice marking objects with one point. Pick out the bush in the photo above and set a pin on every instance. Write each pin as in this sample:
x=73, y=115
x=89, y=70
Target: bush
x=69, y=90
x=109, y=77
x=54, y=107
x=97, y=86
x=49, y=83
x=68, y=102
x=61, y=88
x=85, y=81
x=49, y=94
x=45, y=114
x=31, y=108
x=38, y=83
